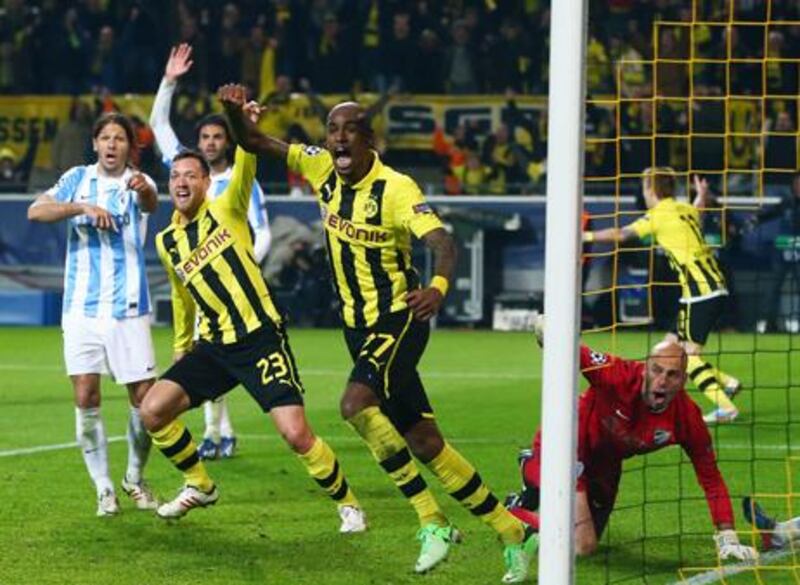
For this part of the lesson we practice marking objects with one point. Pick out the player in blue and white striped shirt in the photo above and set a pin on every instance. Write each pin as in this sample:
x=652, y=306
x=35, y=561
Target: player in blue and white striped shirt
x=106, y=313
x=214, y=142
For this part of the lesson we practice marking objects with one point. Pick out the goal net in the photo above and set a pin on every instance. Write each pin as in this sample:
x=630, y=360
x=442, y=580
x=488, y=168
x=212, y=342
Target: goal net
x=716, y=97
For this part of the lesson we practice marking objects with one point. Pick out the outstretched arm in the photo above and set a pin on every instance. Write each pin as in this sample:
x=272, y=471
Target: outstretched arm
x=46, y=209
x=609, y=235
x=426, y=302
x=245, y=132
x=699, y=447
x=179, y=62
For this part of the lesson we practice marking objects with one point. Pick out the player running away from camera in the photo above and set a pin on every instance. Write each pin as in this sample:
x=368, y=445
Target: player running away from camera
x=631, y=408
x=370, y=211
x=675, y=226
x=106, y=313
x=208, y=256
x=214, y=143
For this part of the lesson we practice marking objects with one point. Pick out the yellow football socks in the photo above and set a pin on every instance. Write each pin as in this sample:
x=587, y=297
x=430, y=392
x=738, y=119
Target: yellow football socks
x=175, y=441
x=707, y=380
x=322, y=465
x=462, y=482
x=390, y=450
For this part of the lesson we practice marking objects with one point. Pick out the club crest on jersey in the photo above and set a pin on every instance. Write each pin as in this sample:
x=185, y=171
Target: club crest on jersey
x=661, y=437
x=598, y=358
x=371, y=208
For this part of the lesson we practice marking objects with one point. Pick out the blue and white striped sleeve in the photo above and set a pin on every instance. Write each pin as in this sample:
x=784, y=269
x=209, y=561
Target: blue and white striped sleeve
x=67, y=186
x=259, y=221
x=257, y=212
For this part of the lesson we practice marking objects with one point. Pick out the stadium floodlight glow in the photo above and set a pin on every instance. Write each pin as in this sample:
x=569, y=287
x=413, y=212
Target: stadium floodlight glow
x=562, y=289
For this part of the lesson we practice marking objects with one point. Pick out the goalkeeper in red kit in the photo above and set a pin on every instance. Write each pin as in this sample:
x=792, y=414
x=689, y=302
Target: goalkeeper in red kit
x=631, y=408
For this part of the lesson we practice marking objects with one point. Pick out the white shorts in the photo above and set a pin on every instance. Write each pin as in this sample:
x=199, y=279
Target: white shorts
x=120, y=347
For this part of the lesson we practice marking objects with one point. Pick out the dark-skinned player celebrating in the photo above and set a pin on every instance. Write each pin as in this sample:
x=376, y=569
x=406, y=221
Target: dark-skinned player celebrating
x=370, y=213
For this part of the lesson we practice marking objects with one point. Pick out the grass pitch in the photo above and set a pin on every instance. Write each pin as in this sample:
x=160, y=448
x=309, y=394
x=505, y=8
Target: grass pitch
x=272, y=525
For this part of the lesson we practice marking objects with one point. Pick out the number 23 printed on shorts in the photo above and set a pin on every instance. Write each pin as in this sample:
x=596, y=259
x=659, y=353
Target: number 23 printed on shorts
x=273, y=367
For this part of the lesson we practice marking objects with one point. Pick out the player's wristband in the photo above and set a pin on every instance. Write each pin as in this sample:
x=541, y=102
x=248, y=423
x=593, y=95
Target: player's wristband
x=440, y=283
x=588, y=237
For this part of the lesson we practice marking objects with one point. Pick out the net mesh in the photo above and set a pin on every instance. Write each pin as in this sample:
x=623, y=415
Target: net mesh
x=718, y=99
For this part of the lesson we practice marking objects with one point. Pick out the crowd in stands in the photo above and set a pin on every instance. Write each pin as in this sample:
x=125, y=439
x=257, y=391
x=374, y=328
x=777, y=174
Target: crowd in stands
x=451, y=47
x=456, y=47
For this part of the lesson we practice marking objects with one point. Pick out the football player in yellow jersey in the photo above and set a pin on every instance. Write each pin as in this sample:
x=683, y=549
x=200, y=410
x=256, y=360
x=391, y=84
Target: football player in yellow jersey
x=676, y=227
x=370, y=211
x=208, y=255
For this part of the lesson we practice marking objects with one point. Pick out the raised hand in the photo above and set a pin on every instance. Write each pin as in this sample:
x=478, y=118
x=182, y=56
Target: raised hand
x=701, y=186
x=179, y=62
x=253, y=110
x=232, y=95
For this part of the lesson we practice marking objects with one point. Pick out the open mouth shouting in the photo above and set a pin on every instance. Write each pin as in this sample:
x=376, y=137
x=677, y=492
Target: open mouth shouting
x=342, y=159
x=182, y=196
x=658, y=398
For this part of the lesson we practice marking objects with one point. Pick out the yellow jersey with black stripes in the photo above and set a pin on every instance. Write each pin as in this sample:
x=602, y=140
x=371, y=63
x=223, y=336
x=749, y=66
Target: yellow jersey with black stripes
x=211, y=266
x=368, y=228
x=675, y=226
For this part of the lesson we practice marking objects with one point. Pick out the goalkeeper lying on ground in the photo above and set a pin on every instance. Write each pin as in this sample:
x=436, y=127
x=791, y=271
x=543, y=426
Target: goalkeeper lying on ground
x=631, y=408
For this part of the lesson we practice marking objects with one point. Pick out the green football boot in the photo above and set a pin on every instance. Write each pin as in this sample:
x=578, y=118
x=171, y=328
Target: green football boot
x=518, y=558
x=436, y=541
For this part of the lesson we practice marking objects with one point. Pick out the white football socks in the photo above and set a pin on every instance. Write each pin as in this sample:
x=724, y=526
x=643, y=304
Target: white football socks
x=225, y=426
x=213, y=413
x=138, y=446
x=91, y=436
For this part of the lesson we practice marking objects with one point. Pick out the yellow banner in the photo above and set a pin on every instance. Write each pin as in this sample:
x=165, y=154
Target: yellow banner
x=34, y=120
x=26, y=120
x=405, y=122
x=410, y=122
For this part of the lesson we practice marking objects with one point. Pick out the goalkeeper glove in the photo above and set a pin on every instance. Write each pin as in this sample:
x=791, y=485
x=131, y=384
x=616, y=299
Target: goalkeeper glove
x=538, y=328
x=728, y=546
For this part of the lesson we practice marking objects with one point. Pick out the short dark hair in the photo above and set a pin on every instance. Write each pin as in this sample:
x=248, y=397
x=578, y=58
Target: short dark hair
x=214, y=120
x=195, y=155
x=363, y=121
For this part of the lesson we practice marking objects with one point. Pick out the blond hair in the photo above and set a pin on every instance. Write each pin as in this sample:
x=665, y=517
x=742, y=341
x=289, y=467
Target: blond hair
x=661, y=180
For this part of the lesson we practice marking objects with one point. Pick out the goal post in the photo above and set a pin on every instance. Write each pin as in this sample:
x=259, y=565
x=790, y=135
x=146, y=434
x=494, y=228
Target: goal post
x=562, y=289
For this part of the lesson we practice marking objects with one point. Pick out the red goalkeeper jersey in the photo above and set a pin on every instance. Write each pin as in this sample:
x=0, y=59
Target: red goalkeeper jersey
x=615, y=423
